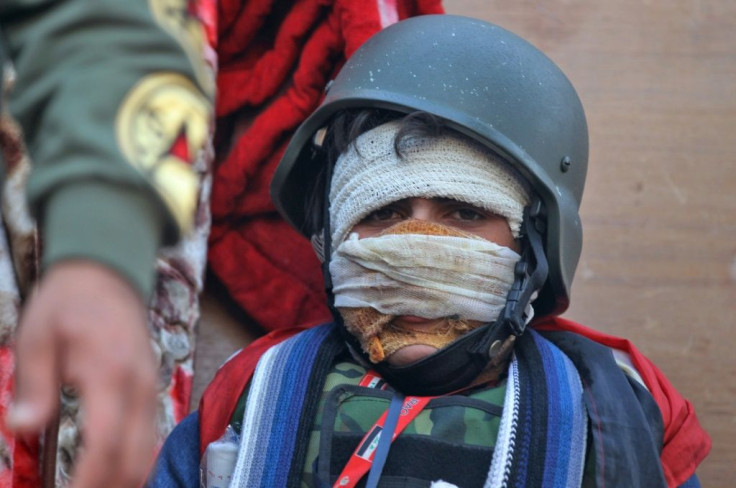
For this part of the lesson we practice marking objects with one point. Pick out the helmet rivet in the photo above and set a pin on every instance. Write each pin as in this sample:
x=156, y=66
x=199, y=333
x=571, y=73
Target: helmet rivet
x=565, y=164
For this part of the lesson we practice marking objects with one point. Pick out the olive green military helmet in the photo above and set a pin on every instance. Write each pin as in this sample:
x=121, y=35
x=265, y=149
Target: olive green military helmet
x=484, y=82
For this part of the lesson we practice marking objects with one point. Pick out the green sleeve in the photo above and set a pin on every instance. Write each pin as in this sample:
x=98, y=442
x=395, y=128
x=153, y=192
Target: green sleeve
x=105, y=91
x=107, y=224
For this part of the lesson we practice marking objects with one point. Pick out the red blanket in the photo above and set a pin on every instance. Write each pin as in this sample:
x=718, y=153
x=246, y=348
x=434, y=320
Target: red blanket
x=275, y=59
x=685, y=442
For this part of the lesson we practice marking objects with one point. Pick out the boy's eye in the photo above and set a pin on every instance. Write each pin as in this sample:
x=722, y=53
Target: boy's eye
x=385, y=213
x=468, y=214
x=465, y=212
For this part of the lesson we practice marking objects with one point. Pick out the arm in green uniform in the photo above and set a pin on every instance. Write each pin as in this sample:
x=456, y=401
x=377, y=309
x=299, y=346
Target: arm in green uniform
x=113, y=98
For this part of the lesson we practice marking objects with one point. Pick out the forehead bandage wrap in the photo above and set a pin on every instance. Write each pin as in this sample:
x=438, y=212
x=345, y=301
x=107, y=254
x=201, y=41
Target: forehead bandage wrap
x=370, y=175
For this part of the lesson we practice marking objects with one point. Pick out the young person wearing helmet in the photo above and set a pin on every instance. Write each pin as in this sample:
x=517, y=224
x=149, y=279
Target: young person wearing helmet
x=440, y=182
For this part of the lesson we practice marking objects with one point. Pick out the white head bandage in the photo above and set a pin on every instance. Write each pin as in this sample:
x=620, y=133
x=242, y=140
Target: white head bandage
x=370, y=175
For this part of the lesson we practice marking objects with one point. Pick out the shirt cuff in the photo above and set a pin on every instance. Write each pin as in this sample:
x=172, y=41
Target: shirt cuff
x=119, y=227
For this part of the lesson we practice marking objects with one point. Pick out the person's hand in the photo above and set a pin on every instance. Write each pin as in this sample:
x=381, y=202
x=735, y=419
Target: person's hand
x=85, y=326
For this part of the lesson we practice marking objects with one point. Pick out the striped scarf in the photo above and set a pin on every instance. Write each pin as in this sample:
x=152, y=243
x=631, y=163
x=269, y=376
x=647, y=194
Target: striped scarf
x=274, y=437
x=540, y=443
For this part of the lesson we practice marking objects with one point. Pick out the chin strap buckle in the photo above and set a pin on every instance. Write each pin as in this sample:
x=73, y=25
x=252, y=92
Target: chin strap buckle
x=531, y=270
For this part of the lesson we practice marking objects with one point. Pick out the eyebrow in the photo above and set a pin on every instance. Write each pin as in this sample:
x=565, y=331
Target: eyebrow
x=445, y=200
x=441, y=200
x=452, y=200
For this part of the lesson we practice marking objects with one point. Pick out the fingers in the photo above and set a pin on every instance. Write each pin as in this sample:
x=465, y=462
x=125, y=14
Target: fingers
x=102, y=434
x=118, y=433
x=37, y=380
x=137, y=452
x=86, y=327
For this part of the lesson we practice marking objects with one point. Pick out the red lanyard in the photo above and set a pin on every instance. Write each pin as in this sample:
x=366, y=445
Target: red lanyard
x=362, y=458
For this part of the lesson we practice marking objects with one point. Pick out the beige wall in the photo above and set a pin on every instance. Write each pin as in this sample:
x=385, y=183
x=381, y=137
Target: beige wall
x=658, y=81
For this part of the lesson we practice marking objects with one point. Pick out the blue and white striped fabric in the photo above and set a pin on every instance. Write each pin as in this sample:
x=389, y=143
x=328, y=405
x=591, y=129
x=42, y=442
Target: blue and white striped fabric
x=542, y=436
x=274, y=409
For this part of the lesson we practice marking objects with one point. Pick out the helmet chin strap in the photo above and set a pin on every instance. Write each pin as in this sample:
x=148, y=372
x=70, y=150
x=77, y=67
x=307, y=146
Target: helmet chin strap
x=457, y=365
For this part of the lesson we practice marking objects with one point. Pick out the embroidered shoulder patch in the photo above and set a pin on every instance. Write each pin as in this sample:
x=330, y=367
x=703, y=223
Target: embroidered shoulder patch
x=161, y=127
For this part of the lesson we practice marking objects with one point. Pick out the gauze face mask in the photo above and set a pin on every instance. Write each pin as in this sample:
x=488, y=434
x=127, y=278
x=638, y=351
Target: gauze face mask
x=418, y=268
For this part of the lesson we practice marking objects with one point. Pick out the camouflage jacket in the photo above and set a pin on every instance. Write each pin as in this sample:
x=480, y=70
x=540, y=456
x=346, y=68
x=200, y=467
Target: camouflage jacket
x=451, y=439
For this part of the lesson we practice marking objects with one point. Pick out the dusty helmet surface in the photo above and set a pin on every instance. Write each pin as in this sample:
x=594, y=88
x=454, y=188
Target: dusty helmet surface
x=484, y=82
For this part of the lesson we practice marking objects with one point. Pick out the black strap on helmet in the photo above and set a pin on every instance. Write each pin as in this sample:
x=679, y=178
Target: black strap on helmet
x=327, y=240
x=530, y=271
x=457, y=365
